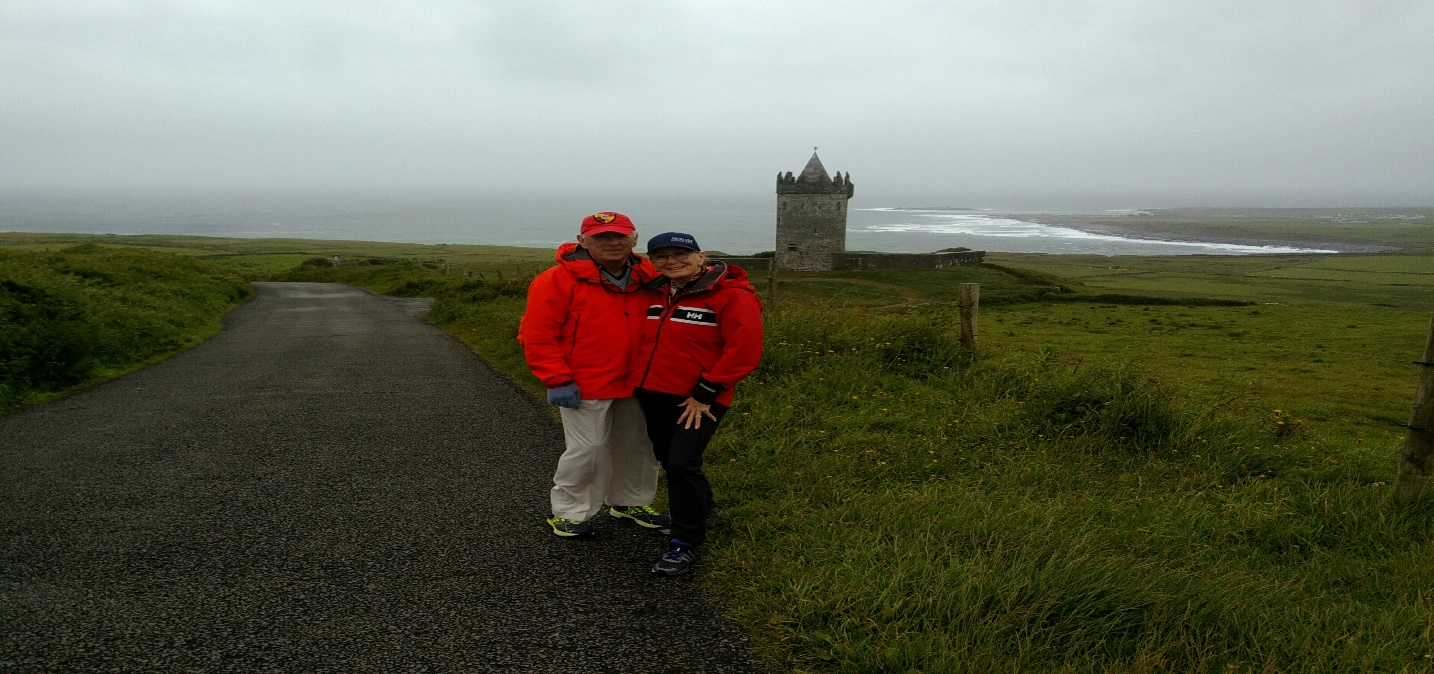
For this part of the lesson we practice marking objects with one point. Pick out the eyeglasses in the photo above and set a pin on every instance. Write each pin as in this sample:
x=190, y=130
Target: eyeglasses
x=679, y=255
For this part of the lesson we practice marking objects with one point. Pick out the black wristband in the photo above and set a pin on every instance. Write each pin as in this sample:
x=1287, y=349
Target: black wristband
x=706, y=392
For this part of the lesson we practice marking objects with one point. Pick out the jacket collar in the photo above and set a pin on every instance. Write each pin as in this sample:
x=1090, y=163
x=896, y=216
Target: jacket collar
x=702, y=283
x=582, y=265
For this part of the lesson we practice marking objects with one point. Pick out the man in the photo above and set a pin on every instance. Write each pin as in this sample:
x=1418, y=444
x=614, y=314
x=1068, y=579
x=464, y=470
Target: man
x=580, y=335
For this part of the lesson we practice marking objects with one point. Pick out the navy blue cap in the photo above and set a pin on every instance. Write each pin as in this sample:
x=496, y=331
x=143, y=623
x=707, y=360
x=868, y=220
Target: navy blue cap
x=672, y=240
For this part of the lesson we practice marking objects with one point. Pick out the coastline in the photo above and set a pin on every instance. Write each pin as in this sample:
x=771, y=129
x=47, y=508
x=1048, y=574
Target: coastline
x=1153, y=231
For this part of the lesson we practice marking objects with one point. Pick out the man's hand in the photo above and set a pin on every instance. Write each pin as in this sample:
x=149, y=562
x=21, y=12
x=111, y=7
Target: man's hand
x=565, y=396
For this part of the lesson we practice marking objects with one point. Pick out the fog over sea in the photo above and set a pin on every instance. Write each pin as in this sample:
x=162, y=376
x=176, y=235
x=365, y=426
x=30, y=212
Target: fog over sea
x=733, y=225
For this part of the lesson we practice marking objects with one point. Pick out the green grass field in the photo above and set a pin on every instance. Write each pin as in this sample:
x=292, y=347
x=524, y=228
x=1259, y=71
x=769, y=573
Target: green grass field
x=1400, y=279
x=1340, y=229
x=1149, y=465
x=259, y=259
x=78, y=314
x=1185, y=474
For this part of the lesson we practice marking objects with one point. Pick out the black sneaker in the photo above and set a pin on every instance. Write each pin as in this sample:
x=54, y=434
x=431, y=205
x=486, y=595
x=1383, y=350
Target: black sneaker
x=644, y=516
x=679, y=560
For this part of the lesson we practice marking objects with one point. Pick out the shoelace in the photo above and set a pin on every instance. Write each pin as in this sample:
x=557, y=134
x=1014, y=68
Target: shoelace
x=638, y=510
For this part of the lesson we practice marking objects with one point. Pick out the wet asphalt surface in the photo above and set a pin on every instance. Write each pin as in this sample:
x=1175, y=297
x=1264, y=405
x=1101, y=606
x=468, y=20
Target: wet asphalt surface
x=329, y=485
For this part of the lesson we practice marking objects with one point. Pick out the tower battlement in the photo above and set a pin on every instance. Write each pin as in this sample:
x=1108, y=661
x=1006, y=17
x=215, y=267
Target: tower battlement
x=821, y=184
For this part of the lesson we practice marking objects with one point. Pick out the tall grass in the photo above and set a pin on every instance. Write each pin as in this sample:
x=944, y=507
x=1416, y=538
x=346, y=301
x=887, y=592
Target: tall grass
x=88, y=312
x=898, y=504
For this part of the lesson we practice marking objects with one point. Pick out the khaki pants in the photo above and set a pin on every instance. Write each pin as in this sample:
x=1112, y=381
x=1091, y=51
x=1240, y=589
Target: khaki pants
x=608, y=459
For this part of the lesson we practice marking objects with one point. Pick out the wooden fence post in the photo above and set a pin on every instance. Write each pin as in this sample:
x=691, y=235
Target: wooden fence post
x=772, y=282
x=1416, y=461
x=970, y=307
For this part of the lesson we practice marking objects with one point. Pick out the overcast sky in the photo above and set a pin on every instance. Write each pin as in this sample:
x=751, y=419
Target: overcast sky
x=1146, y=102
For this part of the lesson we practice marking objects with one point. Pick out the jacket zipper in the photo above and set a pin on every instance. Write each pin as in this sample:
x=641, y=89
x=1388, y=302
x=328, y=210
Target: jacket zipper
x=577, y=321
x=661, y=323
x=666, y=314
x=573, y=345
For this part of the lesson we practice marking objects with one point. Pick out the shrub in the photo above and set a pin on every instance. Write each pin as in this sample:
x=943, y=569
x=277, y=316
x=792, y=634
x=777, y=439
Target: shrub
x=90, y=311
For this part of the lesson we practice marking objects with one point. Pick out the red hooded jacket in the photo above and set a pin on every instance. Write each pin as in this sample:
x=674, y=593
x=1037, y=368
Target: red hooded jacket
x=579, y=328
x=703, y=340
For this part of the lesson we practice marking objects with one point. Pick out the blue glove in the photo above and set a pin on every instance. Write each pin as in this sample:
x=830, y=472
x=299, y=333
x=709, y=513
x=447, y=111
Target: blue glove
x=565, y=396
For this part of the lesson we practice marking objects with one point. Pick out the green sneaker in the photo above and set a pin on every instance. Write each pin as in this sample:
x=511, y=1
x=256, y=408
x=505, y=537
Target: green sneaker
x=568, y=528
x=645, y=516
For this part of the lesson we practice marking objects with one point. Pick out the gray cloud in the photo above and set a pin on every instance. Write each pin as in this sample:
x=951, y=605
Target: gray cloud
x=1172, y=102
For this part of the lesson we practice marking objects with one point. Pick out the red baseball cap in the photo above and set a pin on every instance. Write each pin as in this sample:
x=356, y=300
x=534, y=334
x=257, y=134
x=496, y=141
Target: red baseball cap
x=607, y=221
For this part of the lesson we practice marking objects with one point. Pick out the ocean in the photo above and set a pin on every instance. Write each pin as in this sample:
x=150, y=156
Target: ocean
x=735, y=225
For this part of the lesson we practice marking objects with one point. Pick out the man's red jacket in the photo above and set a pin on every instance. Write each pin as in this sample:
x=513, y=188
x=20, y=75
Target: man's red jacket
x=703, y=340
x=578, y=328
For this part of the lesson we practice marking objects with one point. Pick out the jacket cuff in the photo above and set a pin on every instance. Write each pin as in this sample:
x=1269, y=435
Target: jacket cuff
x=566, y=383
x=706, y=392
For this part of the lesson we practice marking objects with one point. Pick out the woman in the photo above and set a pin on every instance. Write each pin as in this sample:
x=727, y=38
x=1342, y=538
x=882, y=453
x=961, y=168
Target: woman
x=703, y=335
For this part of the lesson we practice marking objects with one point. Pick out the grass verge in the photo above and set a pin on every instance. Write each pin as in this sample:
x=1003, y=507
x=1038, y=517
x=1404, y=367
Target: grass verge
x=85, y=313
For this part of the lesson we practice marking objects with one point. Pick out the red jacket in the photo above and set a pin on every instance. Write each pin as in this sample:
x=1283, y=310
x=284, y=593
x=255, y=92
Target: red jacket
x=578, y=328
x=703, y=340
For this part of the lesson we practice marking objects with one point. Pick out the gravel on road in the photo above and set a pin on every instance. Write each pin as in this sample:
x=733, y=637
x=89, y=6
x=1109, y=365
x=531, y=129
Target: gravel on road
x=328, y=485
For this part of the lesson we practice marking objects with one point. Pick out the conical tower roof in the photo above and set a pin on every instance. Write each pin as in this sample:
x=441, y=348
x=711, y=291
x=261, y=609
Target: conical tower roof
x=814, y=171
x=814, y=180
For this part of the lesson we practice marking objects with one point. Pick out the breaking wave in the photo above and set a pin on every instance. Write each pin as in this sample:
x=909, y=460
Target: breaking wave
x=979, y=225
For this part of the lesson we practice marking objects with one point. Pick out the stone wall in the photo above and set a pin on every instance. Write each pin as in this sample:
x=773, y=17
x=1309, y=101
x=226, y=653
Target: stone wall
x=751, y=264
x=811, y=228
x=906, y=260
x=858, y=261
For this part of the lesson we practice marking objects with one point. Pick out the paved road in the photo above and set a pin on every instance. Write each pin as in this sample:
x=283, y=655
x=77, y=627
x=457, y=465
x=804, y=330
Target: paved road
x=330, y=484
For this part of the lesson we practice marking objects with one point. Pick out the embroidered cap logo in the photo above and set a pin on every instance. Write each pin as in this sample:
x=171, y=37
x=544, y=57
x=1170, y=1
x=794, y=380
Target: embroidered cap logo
x=604, y=218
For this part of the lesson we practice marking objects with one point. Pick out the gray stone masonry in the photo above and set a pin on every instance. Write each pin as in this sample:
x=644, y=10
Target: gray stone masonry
x=811, y=217
x=845, y=261
x=750, y=264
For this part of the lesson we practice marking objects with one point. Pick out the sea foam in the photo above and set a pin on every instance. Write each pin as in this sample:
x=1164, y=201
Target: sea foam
x=976, y=226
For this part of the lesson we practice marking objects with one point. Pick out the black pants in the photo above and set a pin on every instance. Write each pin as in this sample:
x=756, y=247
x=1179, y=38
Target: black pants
x=679, y=450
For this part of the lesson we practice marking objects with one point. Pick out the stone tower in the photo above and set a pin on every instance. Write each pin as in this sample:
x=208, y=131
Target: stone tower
x=811, y=217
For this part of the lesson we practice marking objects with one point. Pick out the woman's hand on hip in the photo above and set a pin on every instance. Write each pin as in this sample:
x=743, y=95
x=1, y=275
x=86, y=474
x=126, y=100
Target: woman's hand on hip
x=693, y=412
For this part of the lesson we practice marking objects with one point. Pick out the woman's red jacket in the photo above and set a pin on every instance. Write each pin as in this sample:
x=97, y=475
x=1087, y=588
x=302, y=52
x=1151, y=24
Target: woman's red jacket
x=703, y=340
x=581, y=329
